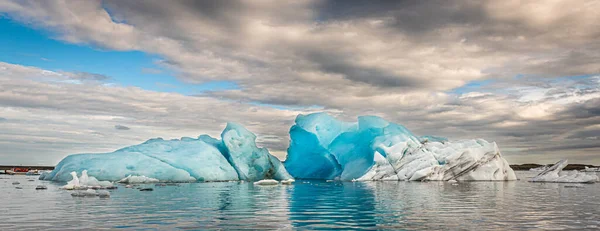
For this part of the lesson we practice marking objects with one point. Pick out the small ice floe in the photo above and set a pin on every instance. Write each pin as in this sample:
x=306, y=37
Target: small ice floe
x=452, y=181
x=41, y=187
x=86, y=193
x=329, y=181
x=103, y=194
x=288, y=181
x=31, y=180
x=160, y=185
x=18, y=187
x=556, y=174
x=146, y=189
x=266, y=182
x=112, y=187
x=588, y=169
x=85, y=182
x=16, y=183
x=128, y=186
x=137, y=180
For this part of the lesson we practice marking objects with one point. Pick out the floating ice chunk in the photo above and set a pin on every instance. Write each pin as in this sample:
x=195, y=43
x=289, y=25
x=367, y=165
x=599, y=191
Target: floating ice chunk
x=374, y=149
x=41, y=187
x=556, y=174
x=73, y=183
x=179, y=160
x=103, y=193
x=137, y=180
x=86, y=193
x=91, y=181
x=85, y=181
x=289, y=181
x=90, y=193
x=266, y=182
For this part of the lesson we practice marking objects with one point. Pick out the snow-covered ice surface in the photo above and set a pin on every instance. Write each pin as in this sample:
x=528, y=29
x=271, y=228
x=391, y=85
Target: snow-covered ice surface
x=323, y=147
x=200, y=159
x=556, y=174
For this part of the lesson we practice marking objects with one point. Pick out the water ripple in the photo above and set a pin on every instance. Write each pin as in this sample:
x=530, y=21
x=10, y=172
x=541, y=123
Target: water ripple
x=306, y=205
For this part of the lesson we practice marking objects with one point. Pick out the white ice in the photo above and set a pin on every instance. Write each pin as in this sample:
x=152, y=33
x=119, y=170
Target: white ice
x=267, y=182
x=85, y=182
x=556, y=174
x=323, y=147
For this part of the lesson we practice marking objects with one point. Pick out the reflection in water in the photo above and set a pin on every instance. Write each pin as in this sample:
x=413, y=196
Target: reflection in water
x=307, y=205
x=322, y=204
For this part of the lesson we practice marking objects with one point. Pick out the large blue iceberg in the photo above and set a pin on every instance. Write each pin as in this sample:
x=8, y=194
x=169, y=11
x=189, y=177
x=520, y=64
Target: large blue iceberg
x=323, y=147
x=234, y=157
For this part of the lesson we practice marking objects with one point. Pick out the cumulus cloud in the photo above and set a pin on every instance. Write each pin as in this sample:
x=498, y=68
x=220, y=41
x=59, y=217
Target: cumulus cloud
x=408, y=61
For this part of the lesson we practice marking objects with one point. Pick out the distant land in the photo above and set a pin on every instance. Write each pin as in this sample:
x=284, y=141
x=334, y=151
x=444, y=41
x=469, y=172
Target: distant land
x=9, y=167
x=521, y=167
x=516, y=167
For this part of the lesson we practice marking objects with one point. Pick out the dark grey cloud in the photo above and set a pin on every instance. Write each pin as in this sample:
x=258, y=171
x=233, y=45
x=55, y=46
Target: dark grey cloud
x=336, y=64
x=586, y=134
x=412, y=16
x=121, y=127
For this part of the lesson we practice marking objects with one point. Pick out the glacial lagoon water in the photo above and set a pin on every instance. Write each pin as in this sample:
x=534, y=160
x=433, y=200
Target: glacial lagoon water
x=306, y=205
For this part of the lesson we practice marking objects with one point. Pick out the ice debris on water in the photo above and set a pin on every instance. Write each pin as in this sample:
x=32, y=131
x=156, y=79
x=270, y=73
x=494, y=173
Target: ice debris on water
x=146, y=189
x=233, y=157
x=103, y=193
x=86, y=193
x=85, y=182
x=323, y=147
x=290, y=181
x=556, y=174
x=266, y=182
x=41, y=187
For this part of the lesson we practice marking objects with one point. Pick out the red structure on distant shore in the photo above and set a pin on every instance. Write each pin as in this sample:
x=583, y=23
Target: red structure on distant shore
x=17, y=169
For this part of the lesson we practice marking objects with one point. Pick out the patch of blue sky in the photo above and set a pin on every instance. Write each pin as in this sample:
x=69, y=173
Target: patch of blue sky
x=35, y=47
x=476, y=85
x=491, y=85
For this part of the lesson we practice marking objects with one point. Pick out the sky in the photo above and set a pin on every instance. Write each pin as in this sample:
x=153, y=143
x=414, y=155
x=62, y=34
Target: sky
x=94, y=76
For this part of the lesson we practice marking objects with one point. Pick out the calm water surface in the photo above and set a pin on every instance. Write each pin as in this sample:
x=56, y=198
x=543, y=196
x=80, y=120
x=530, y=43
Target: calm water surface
x=306, y=205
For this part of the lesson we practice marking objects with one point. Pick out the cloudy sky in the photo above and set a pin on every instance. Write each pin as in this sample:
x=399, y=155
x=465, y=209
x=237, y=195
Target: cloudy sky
x=94, y=76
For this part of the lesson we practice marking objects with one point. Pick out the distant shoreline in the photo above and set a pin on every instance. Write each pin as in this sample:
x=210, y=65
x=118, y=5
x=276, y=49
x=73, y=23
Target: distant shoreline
x=9, y=167
x=521, y=167
x=516, y=167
